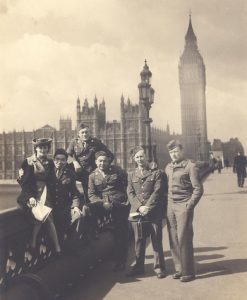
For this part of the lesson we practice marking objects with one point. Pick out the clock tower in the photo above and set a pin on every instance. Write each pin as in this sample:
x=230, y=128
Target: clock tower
x=192, y=82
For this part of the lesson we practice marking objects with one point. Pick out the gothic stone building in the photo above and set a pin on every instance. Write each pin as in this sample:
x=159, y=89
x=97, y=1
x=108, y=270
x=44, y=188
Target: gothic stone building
x=119, y=136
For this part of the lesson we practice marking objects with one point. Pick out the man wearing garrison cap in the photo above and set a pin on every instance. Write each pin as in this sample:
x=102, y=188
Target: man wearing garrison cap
x=147, y=195
x=82, y=149
x=184, y=191
x=107, y=194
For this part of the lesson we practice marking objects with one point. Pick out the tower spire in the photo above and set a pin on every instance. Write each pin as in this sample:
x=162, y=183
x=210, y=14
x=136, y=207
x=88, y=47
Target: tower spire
x=190, y=35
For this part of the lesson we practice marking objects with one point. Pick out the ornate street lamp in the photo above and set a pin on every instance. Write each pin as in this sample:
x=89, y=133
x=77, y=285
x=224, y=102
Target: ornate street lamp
x=146, y=94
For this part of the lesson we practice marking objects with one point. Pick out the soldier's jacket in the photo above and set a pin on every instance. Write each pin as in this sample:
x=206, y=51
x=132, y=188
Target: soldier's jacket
x=64, y=191
x=112, y=187
x=148, y=189
x=86, y=155
x=184, y=182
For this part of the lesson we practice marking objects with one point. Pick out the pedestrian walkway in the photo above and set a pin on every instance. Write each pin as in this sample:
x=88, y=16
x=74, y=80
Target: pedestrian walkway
x=220, y=243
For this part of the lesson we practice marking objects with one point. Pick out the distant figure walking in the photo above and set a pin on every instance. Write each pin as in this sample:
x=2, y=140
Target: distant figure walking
x=226, y=162
x=239, y=167
x=219, y=164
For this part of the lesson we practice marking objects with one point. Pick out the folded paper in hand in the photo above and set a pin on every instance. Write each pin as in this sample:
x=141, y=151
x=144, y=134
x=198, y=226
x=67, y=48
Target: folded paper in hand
x=75, y=216
x=41, y=212
x=134, y=216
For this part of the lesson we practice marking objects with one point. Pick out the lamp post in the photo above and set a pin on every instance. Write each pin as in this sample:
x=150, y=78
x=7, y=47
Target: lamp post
x=146, y=95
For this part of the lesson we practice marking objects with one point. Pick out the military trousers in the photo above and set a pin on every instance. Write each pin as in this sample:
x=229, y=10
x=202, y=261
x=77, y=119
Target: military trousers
x=180, y=231
x=121, y=233
x=83, y=177
x=119, y=228
x=154, y=230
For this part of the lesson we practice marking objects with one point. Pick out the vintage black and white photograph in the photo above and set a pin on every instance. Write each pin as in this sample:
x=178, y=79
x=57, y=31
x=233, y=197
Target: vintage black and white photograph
x=123, y=150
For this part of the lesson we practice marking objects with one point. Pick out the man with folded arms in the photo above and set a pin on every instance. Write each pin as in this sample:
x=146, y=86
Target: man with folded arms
x=107, y=194
x=184, y=191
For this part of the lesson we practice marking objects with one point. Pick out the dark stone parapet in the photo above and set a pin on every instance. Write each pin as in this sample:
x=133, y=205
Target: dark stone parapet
x=20, y=266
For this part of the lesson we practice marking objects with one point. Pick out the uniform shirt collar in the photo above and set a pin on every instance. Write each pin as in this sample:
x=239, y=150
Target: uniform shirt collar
x=142, y=173
x=181, y=164
x=105, y=173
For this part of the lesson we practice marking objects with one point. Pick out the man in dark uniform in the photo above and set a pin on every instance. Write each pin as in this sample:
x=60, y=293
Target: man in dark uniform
x=239, y=167
x=147, y=196
x=82, y=149
x=107, y=193
x=68, y=204
x=184, y=191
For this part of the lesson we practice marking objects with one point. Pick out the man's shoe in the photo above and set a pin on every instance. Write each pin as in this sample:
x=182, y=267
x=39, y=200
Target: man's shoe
x=187, y=278
x=176, y=275
x=118, y=267
x=135, y=271
x=160, y=273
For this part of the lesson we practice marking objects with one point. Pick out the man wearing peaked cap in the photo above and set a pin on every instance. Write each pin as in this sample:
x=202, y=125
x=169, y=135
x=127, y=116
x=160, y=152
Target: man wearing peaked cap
x=184, y=192
x=82, y=150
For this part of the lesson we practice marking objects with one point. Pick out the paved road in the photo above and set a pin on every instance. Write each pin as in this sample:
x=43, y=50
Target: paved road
x=221, y=255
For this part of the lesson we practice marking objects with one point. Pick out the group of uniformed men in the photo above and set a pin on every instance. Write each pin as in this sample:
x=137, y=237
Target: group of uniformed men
x=143, y=198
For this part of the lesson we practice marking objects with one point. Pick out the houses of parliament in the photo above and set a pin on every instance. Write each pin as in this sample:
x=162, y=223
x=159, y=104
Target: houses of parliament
x=130, y=131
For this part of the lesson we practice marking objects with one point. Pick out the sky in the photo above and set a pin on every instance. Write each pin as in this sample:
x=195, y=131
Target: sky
x=51, y=52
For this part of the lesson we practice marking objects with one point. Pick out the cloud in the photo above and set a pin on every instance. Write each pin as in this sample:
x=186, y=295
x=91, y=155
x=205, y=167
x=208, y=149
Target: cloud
x=53, y=51
x=3, y=7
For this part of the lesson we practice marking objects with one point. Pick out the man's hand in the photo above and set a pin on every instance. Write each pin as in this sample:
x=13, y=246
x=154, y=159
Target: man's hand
x=75, y=214
x=77, y=166
x=143, y=210
x=190, y=206
x=20, y=172
x=107, y=206
x=86, y=211
x=32, y=202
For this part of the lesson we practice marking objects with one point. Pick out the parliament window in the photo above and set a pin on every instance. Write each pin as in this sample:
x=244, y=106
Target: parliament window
x=9, y=165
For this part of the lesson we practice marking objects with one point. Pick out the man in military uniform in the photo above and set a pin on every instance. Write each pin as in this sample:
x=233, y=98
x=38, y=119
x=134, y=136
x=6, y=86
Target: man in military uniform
x=107, y=193
x=184, y=191
x=67, y=200
x=82, y=149
x=147, y=196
